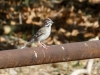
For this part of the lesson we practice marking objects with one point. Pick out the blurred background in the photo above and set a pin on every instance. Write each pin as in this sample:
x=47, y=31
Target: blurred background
x=74, y=21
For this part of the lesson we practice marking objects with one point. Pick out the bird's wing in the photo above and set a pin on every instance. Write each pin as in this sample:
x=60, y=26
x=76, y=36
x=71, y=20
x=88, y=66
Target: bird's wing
x=40, y=32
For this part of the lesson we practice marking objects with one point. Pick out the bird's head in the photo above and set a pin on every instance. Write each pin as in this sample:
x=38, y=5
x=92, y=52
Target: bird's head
x=48, y=22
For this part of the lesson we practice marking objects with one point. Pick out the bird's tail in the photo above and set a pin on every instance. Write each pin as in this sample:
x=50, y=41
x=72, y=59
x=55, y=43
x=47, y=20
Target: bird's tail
x=27, y=43
x=24, y=46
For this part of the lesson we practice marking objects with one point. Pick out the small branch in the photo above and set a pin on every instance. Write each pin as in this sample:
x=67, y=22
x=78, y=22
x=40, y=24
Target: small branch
x=84, y=71
x=20, y=18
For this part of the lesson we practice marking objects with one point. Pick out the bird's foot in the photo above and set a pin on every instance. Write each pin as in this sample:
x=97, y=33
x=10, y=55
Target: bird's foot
x=43, y=45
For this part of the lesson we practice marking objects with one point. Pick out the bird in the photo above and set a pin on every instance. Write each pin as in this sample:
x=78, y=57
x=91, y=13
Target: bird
x=42, y=34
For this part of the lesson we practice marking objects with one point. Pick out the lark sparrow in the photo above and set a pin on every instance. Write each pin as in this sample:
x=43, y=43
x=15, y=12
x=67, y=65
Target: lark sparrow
x=42, y=34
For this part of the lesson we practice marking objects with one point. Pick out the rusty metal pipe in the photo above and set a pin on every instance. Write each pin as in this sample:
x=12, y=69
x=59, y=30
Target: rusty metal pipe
x=54, y=53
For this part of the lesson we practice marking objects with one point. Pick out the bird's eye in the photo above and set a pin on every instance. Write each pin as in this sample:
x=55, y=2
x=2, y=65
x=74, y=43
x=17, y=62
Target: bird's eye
x=45, y=23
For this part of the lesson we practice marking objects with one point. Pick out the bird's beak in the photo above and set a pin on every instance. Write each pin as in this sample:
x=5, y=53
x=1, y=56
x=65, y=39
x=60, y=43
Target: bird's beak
x=52, y=22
